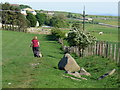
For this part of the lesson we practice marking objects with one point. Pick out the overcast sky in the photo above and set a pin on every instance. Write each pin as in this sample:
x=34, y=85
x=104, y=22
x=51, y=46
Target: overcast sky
x=95, y=7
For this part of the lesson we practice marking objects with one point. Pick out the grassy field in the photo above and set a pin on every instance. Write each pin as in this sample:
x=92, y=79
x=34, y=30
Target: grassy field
x=109, y=33
x=19, y=70
x=100, y=28
x=111, y=21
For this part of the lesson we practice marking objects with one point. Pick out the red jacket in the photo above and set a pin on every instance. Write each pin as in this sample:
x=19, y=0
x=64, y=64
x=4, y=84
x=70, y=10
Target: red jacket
x=35, y=43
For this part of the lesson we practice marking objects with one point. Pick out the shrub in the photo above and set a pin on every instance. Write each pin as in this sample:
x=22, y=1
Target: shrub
x=32, y=19
x=41, y=18
x=56, y=32
x=80, y=39
x=58, y=22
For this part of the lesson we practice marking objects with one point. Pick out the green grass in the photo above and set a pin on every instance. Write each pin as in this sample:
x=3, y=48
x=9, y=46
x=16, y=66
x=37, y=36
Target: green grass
x=110, y=33
x=106, y=37
x=0, y=59
x=100, y=28
x=111, y=21
x=17, y=58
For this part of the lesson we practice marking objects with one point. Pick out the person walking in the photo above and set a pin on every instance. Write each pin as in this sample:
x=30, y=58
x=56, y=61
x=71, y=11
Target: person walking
x=35, y=46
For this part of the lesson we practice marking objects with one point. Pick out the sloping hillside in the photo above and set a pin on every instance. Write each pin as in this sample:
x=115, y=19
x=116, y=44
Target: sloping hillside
x=22, y=70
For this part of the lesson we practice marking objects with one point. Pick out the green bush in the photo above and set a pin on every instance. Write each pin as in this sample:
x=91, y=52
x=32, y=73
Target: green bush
x=32, y=19
x=41, y=18
x=80, y=39
x=56, y=32
x=76, y=25
x=58, y=22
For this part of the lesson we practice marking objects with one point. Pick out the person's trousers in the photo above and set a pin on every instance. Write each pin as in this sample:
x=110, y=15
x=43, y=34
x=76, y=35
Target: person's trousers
x=35, y=51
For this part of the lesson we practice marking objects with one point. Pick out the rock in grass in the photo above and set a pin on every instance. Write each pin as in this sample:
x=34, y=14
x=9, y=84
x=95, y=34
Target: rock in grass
x=68, y=63
x=109, y=73
x=72, y=78
x=84, y=72
x=76, y=74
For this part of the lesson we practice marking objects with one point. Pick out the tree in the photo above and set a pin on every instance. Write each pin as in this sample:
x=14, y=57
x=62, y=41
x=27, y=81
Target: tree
x=81, y=39
x=22, y=22
x=41, y=18
x=77, y=26
x=47, y=21
x=24, y=6
x=32, y=19
x=58, y=21
x=11, y=15
x=5, y=17
x=57, y=33
x=69, y=15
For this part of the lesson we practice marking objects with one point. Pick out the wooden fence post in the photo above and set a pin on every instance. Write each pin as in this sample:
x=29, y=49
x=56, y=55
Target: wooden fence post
x=90, y=50
x=118, y=58
x=77, y=51
x=106, y=50
x=114, y=57
x=111, y=51
x=103, y=49
x=74, y=50
x=98, y=48
x=95, y=49
x=87, y=51
x=104, y=53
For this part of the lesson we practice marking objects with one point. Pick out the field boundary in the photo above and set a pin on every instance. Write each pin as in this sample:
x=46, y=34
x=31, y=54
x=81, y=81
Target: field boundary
x=100, y=48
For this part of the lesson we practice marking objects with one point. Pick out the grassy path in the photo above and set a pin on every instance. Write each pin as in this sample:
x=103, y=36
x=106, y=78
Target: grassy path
x=18, y=58
x=22, y=70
